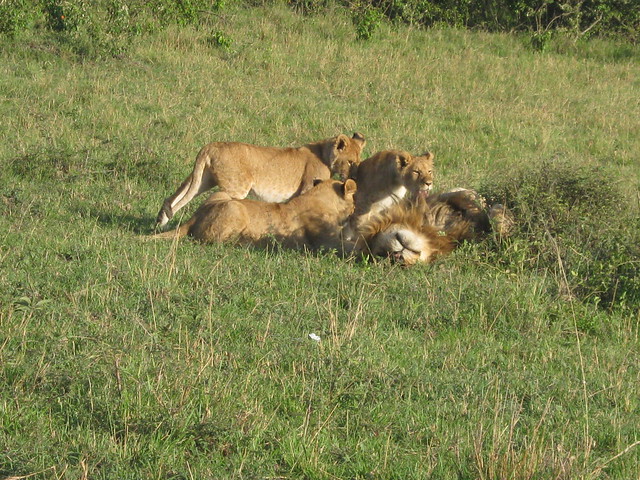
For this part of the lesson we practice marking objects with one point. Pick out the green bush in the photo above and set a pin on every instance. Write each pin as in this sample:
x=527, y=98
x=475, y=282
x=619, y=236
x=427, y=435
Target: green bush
x=100, y=27
x=580, y=19
x=181, y=12
x=366, y=20
x=219, y=39
x=578, y=225
x=15, y=16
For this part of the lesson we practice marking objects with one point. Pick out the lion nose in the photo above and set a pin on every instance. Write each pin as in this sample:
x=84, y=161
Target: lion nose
x=397, y=257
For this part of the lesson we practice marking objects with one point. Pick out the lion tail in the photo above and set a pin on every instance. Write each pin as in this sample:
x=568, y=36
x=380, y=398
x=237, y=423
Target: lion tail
x=178, y=233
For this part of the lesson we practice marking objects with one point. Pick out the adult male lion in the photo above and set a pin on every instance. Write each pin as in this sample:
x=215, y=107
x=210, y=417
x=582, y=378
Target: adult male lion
x=272, y=174
x=420, y=231
x=401, y=234
x=384, y=179
x=312, y=220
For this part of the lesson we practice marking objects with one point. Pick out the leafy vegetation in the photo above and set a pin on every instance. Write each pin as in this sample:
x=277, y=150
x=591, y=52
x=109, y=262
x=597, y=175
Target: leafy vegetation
x=111, y=23
x=577, y=226
x=580, y=18
x=124, y=358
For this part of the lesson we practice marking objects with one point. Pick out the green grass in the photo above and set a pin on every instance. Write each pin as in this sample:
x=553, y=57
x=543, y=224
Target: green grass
x=121, y=358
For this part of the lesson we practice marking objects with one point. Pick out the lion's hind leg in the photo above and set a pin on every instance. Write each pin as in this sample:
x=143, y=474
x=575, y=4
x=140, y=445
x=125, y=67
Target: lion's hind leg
x=200, y=180
x=464, y=204
x=219, y=219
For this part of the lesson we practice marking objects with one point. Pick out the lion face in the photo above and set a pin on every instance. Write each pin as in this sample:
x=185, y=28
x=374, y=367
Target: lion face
x=345, y=155
x=402, y=244
x=401, y=234
x=398, y=233
x=417, y=174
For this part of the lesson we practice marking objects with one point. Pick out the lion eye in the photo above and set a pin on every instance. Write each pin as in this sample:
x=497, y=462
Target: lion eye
x=415, y=173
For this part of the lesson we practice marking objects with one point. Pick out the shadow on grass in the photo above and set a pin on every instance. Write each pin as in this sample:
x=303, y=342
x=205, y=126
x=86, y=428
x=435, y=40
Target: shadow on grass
x=123, y=221
x=127, y=222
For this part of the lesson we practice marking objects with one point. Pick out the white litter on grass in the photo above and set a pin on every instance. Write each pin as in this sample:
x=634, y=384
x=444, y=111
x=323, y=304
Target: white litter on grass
x=314, y=337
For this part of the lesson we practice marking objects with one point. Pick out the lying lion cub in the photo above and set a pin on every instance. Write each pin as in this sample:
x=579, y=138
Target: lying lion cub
x=271, y=174
x=385, y=179
x=312, y=220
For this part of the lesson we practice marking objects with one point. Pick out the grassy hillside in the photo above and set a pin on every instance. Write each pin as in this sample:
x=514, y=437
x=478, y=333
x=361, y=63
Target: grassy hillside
x=121, y=358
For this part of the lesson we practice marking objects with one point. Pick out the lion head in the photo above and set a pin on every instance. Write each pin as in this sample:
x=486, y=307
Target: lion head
x=416, y=173
x=401, y=234
x=344, y=155
x=420, y=230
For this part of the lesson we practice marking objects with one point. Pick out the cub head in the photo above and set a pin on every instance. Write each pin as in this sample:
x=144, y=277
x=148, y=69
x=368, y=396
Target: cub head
x=344, y=155
x=326, y=209
x=390, y=170
x=334, y=196
x=416, y=173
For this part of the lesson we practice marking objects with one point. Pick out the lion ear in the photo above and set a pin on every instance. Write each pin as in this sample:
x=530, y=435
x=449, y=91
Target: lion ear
x=403, y=159
x=349, y=187
x=429, y=155
x=341, y=142
x=358, y=137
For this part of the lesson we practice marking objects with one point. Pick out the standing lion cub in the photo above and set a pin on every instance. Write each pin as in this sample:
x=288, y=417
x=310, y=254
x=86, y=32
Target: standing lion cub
x=272, y=174
x=313, y=220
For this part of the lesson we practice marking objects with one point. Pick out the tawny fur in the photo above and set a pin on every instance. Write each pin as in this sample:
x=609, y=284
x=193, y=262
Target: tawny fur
x=401, y=234
x=447, y=207
x=385, y=179
x=272, y=174
x=420, y=231
x=446, y=210
x=312, y=221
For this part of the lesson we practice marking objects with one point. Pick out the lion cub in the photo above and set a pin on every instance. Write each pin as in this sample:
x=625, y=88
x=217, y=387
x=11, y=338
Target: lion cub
x=385, y=179
x=271, y=174
x=313, y=220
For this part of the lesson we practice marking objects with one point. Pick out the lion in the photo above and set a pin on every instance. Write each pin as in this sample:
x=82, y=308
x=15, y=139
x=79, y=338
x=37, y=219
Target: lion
x=272, y=174
x=448, y=208
x=384, y=179
x=310, y=221
x=402, y=234
x=422, y=230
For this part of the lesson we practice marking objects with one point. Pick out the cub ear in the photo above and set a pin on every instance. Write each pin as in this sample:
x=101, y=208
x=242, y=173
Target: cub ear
x=349, y=187
x=429, y=155
x=341, y=142
x=403, y=159
x=358, y=137
x=316, y=181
